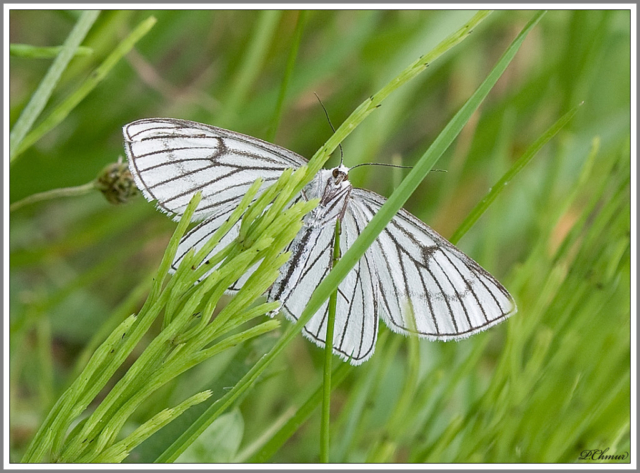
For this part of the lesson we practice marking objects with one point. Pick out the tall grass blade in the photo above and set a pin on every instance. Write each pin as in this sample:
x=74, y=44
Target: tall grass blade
x=495, y=191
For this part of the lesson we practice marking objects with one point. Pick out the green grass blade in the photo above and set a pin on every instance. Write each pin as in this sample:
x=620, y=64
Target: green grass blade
x=38, y=52
x=291, y=61
x=97, y=370
x=45, y=89
x=495, y=191
x=62, y=110
x=328, y=358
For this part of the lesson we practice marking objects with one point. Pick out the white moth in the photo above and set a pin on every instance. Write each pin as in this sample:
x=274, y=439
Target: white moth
x=411, y=277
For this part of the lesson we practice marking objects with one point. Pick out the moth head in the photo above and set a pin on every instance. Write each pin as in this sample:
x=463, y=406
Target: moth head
x=341, y=173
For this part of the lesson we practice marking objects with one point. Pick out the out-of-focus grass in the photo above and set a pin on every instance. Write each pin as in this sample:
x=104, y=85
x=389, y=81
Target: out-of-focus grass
x=542, y=387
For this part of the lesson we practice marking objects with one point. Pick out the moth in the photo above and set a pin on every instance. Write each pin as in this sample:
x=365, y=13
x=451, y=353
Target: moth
x=411, y=277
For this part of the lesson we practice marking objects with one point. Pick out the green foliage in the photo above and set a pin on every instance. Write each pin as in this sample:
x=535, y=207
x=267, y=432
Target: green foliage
x=219, y=443
x=49, y=82
x=549, y=383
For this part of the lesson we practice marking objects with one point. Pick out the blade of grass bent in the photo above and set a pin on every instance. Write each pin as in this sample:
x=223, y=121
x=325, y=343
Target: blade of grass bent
x=367, y=237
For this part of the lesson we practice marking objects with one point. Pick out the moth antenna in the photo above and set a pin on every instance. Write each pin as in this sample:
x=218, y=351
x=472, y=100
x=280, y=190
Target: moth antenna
x=392, y=166
x=331, y=125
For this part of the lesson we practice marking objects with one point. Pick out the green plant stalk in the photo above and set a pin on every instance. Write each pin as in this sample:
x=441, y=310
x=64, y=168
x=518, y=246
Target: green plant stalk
x=291, y=61
x=249, y=314
x=443, y=395
x=259, y=206
x=205, y=314
x=187, y=281
x=179, y=286
x=202, y=355
x=270, y=265
x=618, y=200
x=144, y=320
x=42, y=94
x=45, y=363
x=561, y=257
x=248, y=452
x=539, y=252
x=444, y=440
x=282, y=200
x=289, y=232
x=54, y=194
x=595, y=199
x=62, y=110
x=375, y=226
x=585, y=420
x=170, y=252
x=360, y=394
x=573, y=294
x=397, y=419
x=228, y=252
x=197, y=343
x=207, y=332
x=495, y=191
x=256, y=282
x=553, y=179
x=328, y=354
x=380, y=449
x=38, y=52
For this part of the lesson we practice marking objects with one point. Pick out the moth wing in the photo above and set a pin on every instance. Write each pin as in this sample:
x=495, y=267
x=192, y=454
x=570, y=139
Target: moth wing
x=427, y=285
x=171, y=160
x=356, y=322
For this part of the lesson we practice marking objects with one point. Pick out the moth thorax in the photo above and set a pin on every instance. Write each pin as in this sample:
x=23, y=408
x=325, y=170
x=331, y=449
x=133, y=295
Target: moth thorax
x=333, y=189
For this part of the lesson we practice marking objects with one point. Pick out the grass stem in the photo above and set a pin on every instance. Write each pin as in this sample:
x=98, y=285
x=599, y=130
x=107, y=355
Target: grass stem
x=328, y=356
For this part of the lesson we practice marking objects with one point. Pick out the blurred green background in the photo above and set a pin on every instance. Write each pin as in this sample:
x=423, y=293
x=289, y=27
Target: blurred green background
x=546, y=385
